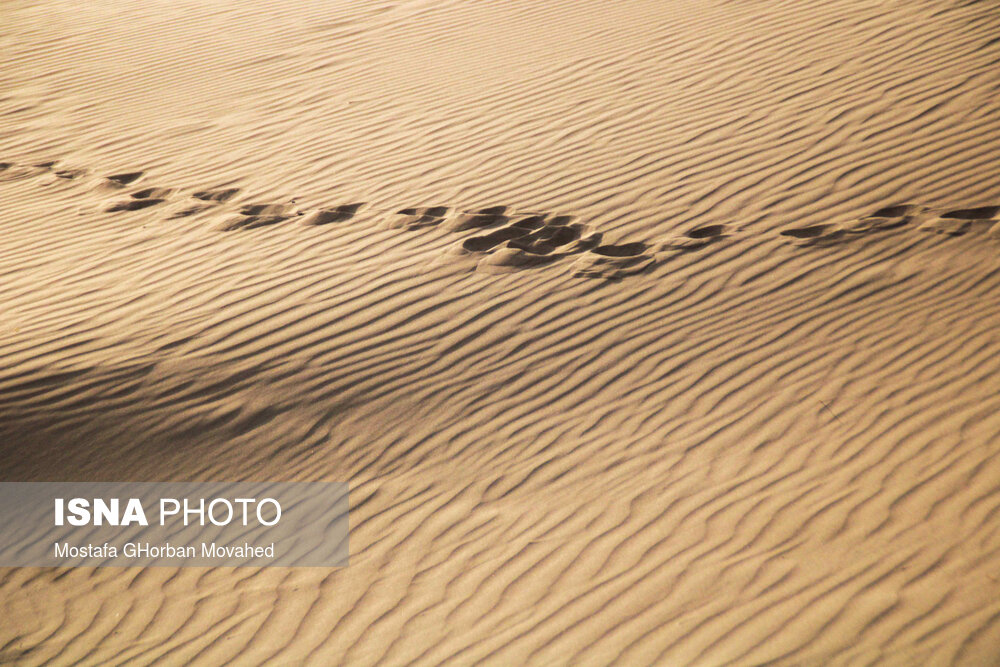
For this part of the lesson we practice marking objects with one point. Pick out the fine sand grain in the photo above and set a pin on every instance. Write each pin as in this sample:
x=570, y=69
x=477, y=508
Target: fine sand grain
x=652, y=332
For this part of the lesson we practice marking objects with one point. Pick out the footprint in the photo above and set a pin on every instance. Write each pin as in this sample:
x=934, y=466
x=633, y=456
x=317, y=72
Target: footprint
x=509, y=259
x=550, y=238
x=708, y=232
x=252, y=216
x=207, y=200
x=267, y=209
x=418, y=217
x=218, y=196
x=533, y=234
x=194, y=209
x=10, y=171
x=614, y=262
x=251, y=222
x=325, y=216
x=140, y=199
x=889, y=217
x=822, y=234
x=71, y=174
x=584, y=243
x=121, y=180
x=699, y=237
x=560, y=235
x=958, y=222
x=495, y=238
x=896, y=211
x=432, y=211
x=133, y=204
x=981, y=213
x=534, y=221
x=946, y=226
x=152, y=193
x=478, y=218
x=621, y=250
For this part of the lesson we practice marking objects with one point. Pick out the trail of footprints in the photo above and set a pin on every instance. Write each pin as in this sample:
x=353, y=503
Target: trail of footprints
x=955, y=222
x=506, y=240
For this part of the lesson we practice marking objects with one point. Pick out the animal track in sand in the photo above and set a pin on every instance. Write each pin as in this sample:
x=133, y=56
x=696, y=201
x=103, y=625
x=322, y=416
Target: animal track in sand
x=981, y=213
x=696, y=238
x=218, y=196
x=267, y=209
x=205, y=200
x=896, y=211
x=121, y=180
x=325, y=216
x=152, y=193
x=633, y=249
x=133, y=204
x=10, y=171
x=490, y=241
x=946, y=226
x=418, y=217
x=958, y=222
x=508, y=259
x=70, y=174
x=490, y=216
x=883, y=219
x=953, y=222
x=252, y=216
x=822, y=234
x=517, y=240
x=889, y=217
x=536, y=241
x=529, y=240
x=140, y=199
x=251, y=222
x=614, y=262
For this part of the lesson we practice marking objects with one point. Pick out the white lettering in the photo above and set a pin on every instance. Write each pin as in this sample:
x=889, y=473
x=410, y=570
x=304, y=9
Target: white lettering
x=163, y=509
x=277, y=511
x=211, y=511
x=200, y=512
x=80, y=509
x=244, y=502
x=102, y=512
x=134, y=513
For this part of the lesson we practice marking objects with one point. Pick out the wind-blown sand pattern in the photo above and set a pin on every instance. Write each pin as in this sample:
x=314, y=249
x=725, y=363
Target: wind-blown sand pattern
x=645, y=333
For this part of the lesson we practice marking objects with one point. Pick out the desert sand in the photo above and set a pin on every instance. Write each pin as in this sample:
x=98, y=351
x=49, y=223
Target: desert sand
x=655, y=332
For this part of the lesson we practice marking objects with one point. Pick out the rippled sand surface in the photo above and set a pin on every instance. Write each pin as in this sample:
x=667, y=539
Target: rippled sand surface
x=654, y=332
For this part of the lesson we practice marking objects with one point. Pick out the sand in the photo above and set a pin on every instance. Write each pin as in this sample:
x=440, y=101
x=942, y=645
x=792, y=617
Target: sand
x=657, y=332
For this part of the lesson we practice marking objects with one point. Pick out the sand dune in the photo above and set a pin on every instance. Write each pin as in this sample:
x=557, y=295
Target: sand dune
x=645, y=333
